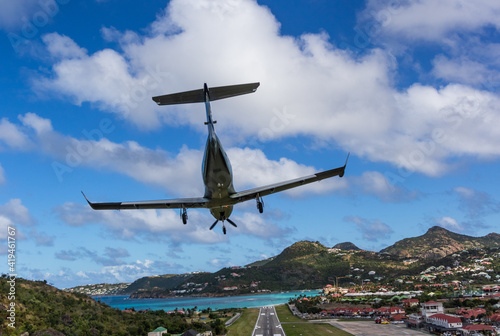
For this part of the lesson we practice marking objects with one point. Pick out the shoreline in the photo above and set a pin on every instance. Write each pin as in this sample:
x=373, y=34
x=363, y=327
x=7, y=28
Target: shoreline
x=208, y=295
x=251, y=300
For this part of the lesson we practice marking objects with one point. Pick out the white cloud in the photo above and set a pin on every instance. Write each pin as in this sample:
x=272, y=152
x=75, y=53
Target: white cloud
x=449, y=223
x=376, y=184
x=2, y=175
x=15, y=211
x=308, y=86
x=372, y=230
x=462, y=70
x=252, y=168
x=257, y=225
x=12, y=135
x=179, y=174
x=125, y=272
x=432, y=20
x=13, y=14
x=61, y=46
x=15, y=215
x=476, y=204
x=156, y=225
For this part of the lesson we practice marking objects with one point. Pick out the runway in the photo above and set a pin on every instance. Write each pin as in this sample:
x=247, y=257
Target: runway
x=268, y=323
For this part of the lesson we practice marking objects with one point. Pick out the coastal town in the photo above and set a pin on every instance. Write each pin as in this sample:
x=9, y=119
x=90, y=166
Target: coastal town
x=459, y=295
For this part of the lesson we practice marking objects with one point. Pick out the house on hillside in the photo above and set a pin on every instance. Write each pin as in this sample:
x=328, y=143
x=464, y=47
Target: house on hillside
x=158, y=332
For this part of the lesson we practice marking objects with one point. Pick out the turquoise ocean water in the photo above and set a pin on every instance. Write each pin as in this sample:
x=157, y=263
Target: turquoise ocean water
x=249, y=301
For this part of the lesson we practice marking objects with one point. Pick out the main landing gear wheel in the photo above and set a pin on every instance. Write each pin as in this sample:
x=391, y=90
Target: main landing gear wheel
x=184, y=216
x=260, y=204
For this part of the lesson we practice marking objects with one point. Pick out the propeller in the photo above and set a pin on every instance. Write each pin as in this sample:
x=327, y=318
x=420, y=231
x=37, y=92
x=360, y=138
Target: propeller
x=231, y=222
x=223, y=226
x=213, y=225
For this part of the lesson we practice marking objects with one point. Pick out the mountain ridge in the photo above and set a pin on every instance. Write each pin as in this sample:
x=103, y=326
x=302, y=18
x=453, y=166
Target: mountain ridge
x=439, y=242
x=309, y=264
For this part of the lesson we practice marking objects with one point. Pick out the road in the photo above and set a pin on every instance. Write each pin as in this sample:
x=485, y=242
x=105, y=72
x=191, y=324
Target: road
x=268, y=323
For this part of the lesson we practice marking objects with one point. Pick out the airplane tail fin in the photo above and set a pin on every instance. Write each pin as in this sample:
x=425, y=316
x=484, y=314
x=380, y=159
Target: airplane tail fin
x=198, y=96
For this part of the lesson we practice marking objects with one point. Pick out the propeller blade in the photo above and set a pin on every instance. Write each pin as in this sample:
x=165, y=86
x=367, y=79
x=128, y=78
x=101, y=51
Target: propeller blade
x=214, y=224
x=231, y=222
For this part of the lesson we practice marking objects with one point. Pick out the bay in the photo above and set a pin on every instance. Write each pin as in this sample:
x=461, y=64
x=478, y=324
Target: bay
x=215, y=303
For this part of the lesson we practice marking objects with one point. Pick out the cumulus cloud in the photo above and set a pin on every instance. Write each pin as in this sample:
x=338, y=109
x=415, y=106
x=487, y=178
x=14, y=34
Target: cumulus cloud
x=124, y=272
x=449, y=223
x=12, y=135
x=110, y=257
x=424, y=19
x=13, y=14
x=178, y=173
x=163, y=225
x=2, y=175
x=16, y=215
x=376, y=184
x=252, y=169
x=372, y=230
x=464, y=55
x=476, y=204
x=257, y=225
x=308, y=86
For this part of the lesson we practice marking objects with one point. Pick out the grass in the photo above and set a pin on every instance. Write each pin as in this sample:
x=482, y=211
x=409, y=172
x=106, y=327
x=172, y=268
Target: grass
x=297, y=329
x=294, y=326
x=245, y=324
x=285, y=315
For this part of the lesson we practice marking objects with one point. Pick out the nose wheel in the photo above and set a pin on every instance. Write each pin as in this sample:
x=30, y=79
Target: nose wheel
x=223, y=226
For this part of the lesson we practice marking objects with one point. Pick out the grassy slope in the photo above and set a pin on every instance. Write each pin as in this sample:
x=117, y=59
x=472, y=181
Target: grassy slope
x=245, y=324
x=302, y=327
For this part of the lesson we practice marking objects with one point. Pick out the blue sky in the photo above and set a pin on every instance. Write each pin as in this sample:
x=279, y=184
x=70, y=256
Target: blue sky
x=411, y=93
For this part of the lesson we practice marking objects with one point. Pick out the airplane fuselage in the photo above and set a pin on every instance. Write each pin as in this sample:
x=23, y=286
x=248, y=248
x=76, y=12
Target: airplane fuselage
x=216, y=170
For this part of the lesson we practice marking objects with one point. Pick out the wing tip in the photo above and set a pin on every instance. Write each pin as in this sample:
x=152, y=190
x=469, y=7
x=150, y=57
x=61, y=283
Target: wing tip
x=90, y=203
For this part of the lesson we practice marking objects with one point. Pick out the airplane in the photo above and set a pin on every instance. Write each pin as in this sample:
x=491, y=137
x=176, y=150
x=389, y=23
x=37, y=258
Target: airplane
x=220, y=195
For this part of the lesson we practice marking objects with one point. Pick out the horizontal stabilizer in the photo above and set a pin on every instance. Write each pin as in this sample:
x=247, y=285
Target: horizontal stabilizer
x=197, y=96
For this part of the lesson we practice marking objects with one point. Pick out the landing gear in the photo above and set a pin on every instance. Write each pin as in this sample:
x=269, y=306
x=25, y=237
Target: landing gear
x=222, y=220
x=260, y=204
x=184, y=216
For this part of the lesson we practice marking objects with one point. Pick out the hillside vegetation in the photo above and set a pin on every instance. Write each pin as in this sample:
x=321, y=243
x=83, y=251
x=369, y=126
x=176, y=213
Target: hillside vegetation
x=438, y=242
x=306, y=265
x=44, y=310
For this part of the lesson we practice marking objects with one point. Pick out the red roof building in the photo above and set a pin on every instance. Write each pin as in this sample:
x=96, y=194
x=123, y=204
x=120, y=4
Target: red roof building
x=444, y=321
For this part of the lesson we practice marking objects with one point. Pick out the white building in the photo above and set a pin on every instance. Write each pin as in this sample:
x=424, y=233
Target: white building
x=431, y=308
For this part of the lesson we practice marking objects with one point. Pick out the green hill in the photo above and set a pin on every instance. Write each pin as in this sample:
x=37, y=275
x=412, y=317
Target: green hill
x=166, y=281
x=346, y=246
x=438, y=242
x=42, y=310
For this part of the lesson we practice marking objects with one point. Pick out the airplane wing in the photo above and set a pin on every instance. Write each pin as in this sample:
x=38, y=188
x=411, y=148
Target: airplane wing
x=281, y=186
x=179, y=203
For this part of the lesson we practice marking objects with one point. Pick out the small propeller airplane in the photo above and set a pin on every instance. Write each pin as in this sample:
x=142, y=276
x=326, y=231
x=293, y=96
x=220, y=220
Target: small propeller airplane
x=220, y=195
